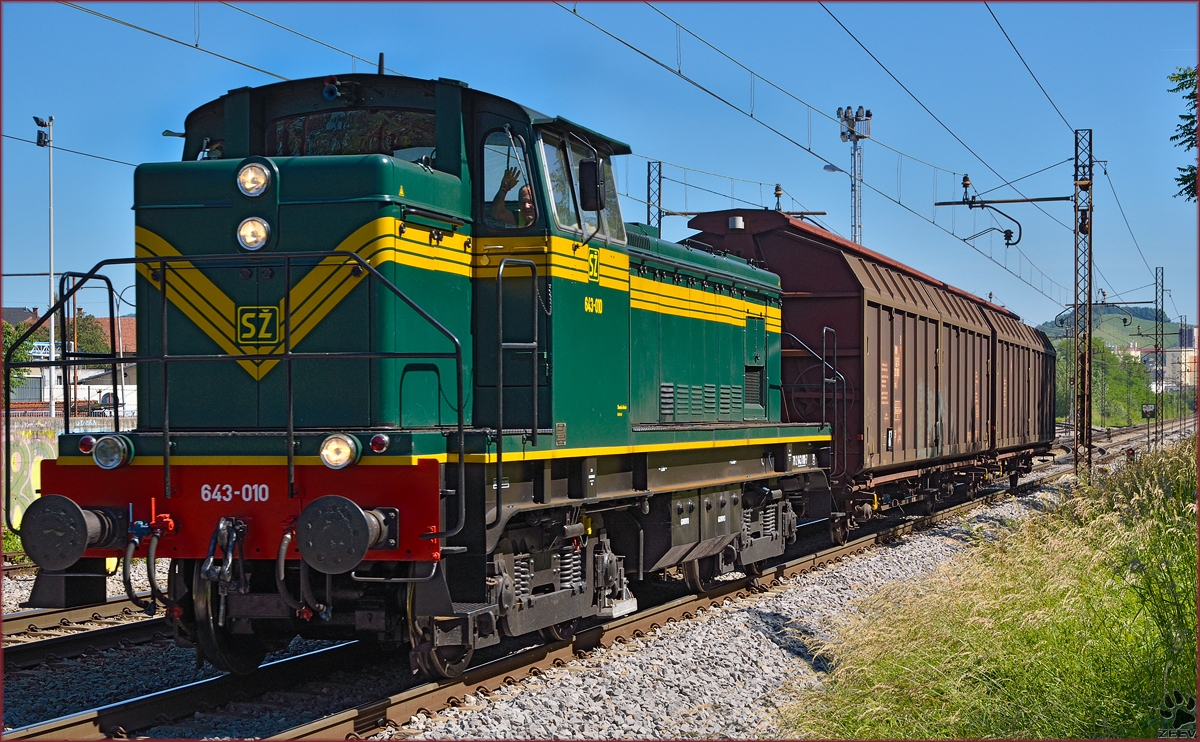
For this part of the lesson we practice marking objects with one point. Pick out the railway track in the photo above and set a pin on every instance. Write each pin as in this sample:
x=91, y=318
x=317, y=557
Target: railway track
x=17, y=563
x=126, y=717
x=37, y=636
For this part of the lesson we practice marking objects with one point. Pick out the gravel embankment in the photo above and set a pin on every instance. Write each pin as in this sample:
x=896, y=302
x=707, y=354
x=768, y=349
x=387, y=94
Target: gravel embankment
x=715, y=676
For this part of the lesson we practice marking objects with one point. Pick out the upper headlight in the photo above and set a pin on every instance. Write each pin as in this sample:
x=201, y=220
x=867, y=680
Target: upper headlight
x=253, y=233
x=340, y=450
x=112, y=451
x=253, y=179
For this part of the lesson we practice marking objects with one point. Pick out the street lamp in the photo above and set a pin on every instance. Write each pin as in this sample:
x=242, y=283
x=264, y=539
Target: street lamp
x=45, y=138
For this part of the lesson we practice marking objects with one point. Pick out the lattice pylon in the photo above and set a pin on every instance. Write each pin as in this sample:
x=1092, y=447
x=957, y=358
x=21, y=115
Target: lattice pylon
x=1083, y=300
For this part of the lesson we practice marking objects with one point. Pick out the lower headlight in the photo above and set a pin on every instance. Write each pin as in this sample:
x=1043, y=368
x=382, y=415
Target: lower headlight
x=112, y=451
x=253, y=233
x=340, y=450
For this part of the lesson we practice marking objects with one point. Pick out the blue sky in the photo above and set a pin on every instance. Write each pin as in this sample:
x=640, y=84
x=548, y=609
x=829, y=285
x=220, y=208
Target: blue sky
x=113, y=90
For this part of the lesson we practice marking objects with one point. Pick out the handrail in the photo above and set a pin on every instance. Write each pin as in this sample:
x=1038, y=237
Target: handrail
x=838, y=379
x=164, y=265
x=502, y=346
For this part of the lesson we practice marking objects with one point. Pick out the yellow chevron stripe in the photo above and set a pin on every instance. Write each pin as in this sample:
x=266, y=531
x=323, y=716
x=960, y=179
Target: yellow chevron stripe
x=315, y=295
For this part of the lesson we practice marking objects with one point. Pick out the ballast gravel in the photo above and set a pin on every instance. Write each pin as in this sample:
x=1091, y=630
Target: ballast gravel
x=16, y=589
x=716, y=675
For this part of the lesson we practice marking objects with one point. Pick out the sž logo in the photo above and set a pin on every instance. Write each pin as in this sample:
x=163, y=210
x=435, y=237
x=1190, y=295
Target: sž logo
x=258, y=325
x=594, y=265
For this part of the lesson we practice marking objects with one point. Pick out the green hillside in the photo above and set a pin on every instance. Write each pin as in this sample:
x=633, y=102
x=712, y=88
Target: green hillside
x=1108, y=327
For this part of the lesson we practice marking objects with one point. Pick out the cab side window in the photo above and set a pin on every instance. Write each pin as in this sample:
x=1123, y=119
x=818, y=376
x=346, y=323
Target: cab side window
x=611, y=215
x=508, y=192
x=562, y=188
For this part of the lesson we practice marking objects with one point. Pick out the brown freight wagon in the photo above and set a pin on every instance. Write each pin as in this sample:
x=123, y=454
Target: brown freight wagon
x=928, y=387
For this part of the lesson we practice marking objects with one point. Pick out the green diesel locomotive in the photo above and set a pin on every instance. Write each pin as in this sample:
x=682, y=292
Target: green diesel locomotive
x=406, y=375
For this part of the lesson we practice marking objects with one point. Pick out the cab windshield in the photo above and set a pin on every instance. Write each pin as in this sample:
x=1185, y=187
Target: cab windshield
x=408, y=135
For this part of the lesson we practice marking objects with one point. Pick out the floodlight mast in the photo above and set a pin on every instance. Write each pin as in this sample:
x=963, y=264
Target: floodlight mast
x=856, y=125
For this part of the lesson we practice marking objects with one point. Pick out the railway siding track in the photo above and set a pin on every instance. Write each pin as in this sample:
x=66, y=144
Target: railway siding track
x=123, y=718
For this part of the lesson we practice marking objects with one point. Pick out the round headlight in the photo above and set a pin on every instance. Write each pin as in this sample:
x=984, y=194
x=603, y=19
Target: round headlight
x=253, y=233
x=253, y=179
x=339, y=451
x=112, y=451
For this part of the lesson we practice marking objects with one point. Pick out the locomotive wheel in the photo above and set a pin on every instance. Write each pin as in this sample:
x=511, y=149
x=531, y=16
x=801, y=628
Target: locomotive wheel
x=239, y=654
x=564, y=631
x=699, y=574
x=436, y=662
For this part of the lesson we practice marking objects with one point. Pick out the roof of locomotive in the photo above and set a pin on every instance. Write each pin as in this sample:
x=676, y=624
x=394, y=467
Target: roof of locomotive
x=295, y=96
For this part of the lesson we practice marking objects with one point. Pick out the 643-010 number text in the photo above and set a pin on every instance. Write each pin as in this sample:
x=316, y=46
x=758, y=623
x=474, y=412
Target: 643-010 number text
x=226, y=492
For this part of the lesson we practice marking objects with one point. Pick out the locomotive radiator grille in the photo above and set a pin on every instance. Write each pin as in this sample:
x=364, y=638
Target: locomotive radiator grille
x=666, y=400
x=710, y=401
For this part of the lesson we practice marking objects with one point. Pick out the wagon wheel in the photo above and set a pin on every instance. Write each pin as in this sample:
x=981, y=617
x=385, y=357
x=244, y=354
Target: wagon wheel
x=838, y=531
x=564, y=631
x=436, y=662
x=927, y=505
x=239, y=654
x=700, y=574
x=754, y=569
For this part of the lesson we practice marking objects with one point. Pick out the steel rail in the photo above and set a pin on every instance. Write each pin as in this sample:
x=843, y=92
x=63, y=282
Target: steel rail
x=45, y=618
x=85, y=639
x=117, y=720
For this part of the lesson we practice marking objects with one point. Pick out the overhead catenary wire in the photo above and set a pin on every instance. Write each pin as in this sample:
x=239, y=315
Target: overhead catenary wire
x=1027, y=67
x=1121, y=208
x=1023, y=177
x=756, y=76
x=758, y=183
x=72, y=151
x=197, y=47
x=303, y=35
x=933, y=115
x=789, y=139
x=1068, y=125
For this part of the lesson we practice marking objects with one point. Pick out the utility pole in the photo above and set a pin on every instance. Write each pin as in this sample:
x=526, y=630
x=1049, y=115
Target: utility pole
x=654, y=212
x=1083, y=300
x=1160, y=365
x=45, y=138
x=856, y=125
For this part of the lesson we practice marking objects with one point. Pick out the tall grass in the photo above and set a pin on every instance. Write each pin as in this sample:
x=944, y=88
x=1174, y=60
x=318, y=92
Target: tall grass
x=1072, y=625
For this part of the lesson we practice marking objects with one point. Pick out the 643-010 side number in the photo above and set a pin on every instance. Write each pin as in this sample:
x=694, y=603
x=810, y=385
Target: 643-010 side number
x=226, y=492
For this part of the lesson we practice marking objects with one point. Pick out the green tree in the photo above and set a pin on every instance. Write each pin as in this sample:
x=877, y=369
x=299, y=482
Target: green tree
x=1185, y=131
x=20, y=355
x=92, y=337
